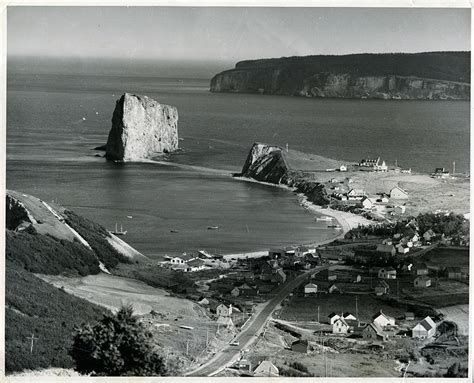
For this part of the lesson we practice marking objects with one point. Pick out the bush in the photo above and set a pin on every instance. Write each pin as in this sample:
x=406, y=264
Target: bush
x=118, y=345
x=299, y=366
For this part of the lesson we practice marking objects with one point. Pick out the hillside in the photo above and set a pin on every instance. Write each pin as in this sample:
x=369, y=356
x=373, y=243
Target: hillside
x=430, y=75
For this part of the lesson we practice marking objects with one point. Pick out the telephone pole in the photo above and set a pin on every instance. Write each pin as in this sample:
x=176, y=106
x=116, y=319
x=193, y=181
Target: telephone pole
x=318, y=314
x=357, y=311
x=454, y=167
x=32, y=339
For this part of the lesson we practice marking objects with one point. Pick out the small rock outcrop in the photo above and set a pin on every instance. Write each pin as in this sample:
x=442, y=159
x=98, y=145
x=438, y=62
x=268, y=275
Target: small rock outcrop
x=141, y=129
x=17, y=215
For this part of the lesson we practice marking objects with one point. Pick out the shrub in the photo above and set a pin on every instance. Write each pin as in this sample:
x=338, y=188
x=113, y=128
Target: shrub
x=118, y=345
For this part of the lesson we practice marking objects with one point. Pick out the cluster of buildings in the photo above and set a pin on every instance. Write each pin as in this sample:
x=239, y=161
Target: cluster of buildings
x=195, y=261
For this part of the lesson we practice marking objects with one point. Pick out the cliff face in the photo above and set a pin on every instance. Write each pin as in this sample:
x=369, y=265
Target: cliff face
x=436, y=76
x=141, y=128
x=267, y=163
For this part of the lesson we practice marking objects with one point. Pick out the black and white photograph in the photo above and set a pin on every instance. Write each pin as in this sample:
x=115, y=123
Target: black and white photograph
x=236, y=191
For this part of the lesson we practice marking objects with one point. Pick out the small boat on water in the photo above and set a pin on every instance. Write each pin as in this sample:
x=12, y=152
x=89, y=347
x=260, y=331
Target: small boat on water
x=174, y=231
x=324, y=218
x=212, y=227
x=334, y=227
x=119, y=232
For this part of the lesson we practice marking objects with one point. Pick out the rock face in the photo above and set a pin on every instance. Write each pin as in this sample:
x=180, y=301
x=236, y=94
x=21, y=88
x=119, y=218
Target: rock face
x=17, y=216
x=433, y=76
x=141, y=129
x=267, y=163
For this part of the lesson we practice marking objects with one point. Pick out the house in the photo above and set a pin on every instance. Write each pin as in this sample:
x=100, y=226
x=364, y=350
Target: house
x=386, y=249
x=340, y=326
x=348, y=316
x=366, y=203
x=357, y=279
x=355, y=194
x=381, y=168
x=204, y=301
x=398, y=193
x=369, y=163
x=373, y=332
x=223, y=311
x=244, y=365
x=429, y=235
x=333, y=289
x=440, y=173
x=424, y=329
x=387, y=273
x=382, y=288
x=235, y=292
x=333, y=317
x=301, y=251
x=182, y=259
x=402, y=249
x=195, y=265
x=300, y=345
x=422, y=281
x=420, y=269
x=383, y=320
x=310, y=289
x=453, y=272
x=266, y=369
x=343, y=168
x=409, y=316
x=248, y=291
x=276, y=253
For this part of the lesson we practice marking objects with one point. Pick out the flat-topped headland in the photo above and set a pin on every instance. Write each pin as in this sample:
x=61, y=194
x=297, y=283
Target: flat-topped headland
x=396, y=76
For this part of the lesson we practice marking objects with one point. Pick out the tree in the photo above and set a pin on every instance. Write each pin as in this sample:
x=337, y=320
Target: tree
x=117, y=345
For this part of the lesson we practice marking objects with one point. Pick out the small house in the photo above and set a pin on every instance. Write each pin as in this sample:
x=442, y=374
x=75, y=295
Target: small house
x=422, y=281
x=369, y=163
x=373, y=332
x=235, y=292
x=382, y=288
x=398, y=193
x=195, y=265
x=327, y=274
x=248, y=291
x=386, y=249
x=420, y=269
x=355, y=194
x=343, y=168
x=358, y=278
x=266, y=369
x=366, y=203
x=453, y=272
x=204, y=301
x=340, y=326
x=279, y=276
x=333, y=289
x=333, y=317
x=223, y=311
x=383, y=320
x=401, y=249
x=300, y=345
x=424, y=329
x=245, y=365
x=310, y=289
x=381, y=168
x=387, y=273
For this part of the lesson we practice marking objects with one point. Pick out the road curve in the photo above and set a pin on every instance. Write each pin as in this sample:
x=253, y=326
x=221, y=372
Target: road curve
x=254, y=326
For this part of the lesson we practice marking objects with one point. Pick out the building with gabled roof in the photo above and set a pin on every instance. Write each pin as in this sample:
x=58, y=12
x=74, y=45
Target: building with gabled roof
x=340, y=326
x=333, y=317
x=266, y=369
x=398, y=193
x=422, y=281
x=310, y=289
x=374, y=332
x=383, y=320
x=386, y=249
x=420, y=268
x=387, y=273
x=424, y=329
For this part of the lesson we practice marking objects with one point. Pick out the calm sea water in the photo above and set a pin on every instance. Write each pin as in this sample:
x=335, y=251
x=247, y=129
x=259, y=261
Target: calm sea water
x=49, y=155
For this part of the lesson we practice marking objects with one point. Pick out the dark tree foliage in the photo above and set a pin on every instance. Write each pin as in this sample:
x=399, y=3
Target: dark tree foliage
x=43, y=254
x=95, y=235
x=449, y=225
x=117, y=345
x=33, y=306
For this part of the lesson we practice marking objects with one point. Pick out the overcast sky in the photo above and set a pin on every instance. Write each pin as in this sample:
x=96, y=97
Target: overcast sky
x=230, y=34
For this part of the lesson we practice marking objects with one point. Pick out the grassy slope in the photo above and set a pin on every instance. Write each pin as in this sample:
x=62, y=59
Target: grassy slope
x=34, y=306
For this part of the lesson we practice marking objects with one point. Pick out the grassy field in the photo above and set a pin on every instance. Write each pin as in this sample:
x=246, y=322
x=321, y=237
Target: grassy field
x=306, y=308
x=443, y=257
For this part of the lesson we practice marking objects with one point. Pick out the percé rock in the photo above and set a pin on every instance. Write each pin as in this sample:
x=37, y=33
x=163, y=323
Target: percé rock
x=141, y=129
x=267, y=163
x=431, y=75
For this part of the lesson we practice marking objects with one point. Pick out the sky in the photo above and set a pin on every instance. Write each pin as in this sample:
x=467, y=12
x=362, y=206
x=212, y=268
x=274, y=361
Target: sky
x=230, y=34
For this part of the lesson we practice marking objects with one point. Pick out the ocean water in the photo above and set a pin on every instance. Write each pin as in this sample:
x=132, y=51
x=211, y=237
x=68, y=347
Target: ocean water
x=49, y=155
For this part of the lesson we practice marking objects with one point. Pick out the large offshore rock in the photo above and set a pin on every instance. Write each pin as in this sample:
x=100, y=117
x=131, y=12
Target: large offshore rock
x=141, y=129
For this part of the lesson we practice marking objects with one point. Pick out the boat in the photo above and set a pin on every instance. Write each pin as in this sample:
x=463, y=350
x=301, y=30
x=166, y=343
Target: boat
x=334, y=226
x=212, y=227
x=325, y=218
x=174, y=231
x=119, y=232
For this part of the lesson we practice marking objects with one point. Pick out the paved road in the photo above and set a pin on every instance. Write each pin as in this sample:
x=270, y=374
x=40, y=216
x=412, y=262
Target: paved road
x=252, y=329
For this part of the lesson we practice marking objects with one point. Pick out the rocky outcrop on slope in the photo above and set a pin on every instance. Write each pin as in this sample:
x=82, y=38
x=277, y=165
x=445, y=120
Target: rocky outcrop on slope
x=267, y=163
x=141, y=129
x=430, y=76
x=17, y=215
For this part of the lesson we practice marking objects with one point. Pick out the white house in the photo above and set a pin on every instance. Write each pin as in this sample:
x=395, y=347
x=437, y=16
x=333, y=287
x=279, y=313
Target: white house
x=398, y=193
x=422, y=281
x=424, y=329
x=340, y=326
x=381, y=168
x=333, y=317
x=343, y=168
x=429, y=235
x=387, y=273
x=266, y=369
x=223, y=311
x=383, y=320
x=196, y=265
x=366, y=203
x=310, y=289
x=301, y=251
x=402, y=249
x=355, y=194
x=348, y=316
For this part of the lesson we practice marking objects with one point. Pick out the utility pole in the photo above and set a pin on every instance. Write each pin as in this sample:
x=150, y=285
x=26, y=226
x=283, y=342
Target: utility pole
x=187, y=346
x=207, y=336
x=318, y=314
x=357, y=311
x=32, y=338
x=398, y=295
x=454, y=167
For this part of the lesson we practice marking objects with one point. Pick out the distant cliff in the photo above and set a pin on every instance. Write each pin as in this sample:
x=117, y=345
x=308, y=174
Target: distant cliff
x=431, y=76
x=141, y=128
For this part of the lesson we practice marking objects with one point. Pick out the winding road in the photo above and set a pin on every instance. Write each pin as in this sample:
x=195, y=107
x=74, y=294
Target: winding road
x=253, y=327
